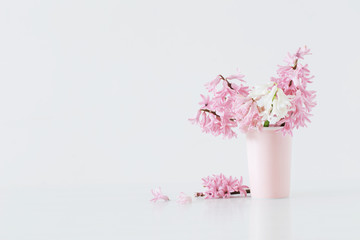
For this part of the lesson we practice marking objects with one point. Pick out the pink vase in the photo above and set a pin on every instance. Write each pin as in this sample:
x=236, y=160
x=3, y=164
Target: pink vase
x=269, y=158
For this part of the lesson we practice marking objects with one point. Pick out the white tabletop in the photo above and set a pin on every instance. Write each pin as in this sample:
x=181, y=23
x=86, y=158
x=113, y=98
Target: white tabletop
x=124, y=212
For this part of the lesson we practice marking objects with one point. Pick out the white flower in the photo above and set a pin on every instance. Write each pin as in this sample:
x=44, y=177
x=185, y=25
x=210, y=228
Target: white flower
x=283, y=100
x=276, y=105
x=268, y=99
x=260, y=90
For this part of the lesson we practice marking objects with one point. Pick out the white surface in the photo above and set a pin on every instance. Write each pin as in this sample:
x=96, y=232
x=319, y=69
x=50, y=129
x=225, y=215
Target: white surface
x=118, y=212
x=98, y=93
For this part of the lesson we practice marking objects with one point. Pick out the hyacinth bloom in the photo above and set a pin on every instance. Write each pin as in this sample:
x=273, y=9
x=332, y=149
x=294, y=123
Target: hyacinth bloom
x=274, y=102
x=260, y=90
x=284, y=102
x=219, y=186
x=293, y=79
x=158, y=195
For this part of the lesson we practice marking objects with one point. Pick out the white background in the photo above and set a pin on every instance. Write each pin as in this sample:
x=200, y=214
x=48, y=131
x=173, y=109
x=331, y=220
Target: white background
x=98, y=93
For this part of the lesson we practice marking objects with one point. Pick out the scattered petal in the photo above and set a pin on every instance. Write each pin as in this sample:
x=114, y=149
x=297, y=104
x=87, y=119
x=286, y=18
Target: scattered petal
x=184, y=199
x=158, y=195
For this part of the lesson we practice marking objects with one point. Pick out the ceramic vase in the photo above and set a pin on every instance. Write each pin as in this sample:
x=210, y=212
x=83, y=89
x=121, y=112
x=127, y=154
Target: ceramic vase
x=269, y=161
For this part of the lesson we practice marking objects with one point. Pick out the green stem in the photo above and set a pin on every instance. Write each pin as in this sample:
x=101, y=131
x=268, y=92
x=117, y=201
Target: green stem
x=274, y=96
x=266, y=123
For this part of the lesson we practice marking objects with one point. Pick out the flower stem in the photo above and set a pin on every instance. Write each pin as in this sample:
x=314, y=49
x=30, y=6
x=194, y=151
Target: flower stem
x=201, y=194
x=228, y=83
x=295, y=64
x=209, y=111
x=274, y=96
x=266, y=123
x=217, y=116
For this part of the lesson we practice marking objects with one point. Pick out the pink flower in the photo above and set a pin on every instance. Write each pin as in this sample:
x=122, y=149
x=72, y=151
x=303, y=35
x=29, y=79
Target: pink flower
x=158, y=195
x=301, y=52
x=196, y=119
x=237, y=76
x=184, y=199
x=216, y=114
x=205, y=102
x=293, y=79
x=212, y=85
x=240, y=187
x=247, y=114
x=284, y=102
x=219, y=186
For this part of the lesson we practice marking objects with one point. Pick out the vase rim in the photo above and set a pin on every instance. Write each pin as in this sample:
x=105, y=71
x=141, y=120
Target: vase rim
x=266, y=129
x=271, y=128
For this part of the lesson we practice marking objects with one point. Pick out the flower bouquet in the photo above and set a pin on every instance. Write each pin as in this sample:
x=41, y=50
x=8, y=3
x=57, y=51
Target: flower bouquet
x=267, y=114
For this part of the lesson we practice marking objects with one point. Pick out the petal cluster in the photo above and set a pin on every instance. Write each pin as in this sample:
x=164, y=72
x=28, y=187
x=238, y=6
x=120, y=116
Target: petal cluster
x=285, y=101
x=227, y=107
x=275, y=104
x=293, y=78
x=219, y=186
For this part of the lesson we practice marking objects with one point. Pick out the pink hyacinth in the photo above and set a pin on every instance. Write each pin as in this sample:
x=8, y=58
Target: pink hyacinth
x=158, y=195
x=293, y=79
x=184, y=199
x=219, y=186
x=230, y=106
x=247, y=110
x=241, y=188
x=217, y=114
